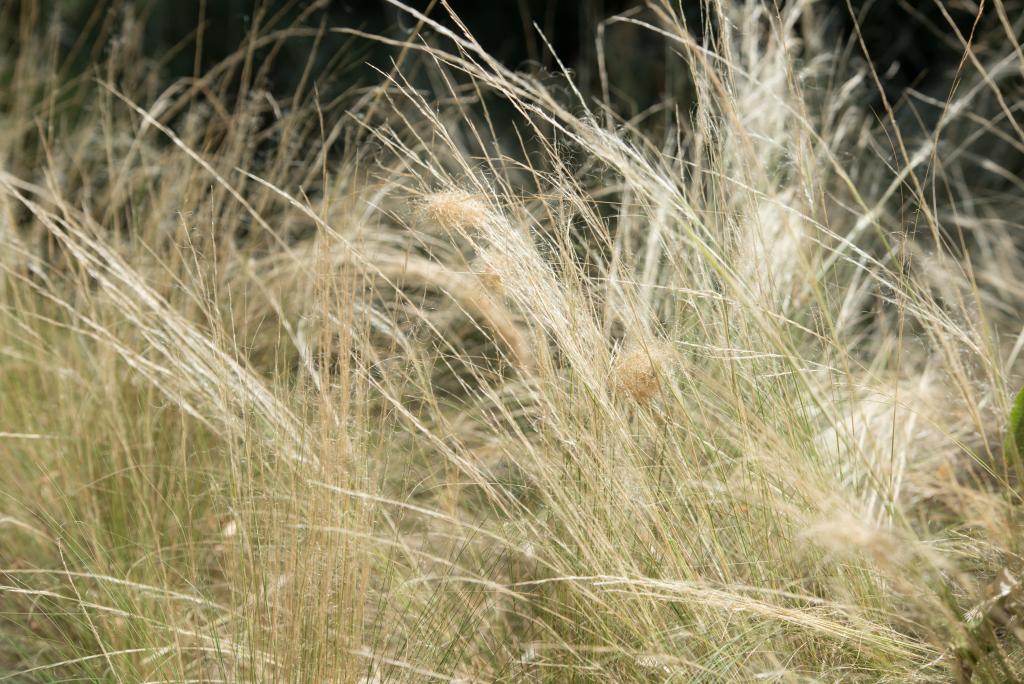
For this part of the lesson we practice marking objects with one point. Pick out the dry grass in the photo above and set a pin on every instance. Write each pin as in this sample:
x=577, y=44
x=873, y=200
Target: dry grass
x=360, y=391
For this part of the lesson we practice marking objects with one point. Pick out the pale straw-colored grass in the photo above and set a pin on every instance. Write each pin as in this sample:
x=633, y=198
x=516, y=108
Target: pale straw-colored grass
x=555, y=395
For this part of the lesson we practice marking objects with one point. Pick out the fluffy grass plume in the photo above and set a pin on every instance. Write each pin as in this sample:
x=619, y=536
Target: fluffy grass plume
x=483, y=375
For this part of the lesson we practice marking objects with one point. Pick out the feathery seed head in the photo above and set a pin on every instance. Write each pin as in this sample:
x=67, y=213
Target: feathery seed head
x=493, y=271
x=637, y=372
x=847, y=534
x=456, y=209
x=491, y=281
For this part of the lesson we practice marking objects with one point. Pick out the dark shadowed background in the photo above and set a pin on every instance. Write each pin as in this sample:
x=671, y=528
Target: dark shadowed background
x=910, y=43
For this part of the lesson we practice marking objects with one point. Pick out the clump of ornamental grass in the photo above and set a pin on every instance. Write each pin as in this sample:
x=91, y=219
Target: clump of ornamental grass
x=259, y=424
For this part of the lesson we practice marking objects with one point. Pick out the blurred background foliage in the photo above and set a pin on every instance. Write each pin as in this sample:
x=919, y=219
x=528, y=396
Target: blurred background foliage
x=910, y=43
x=309, y=48
x=321, y=48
